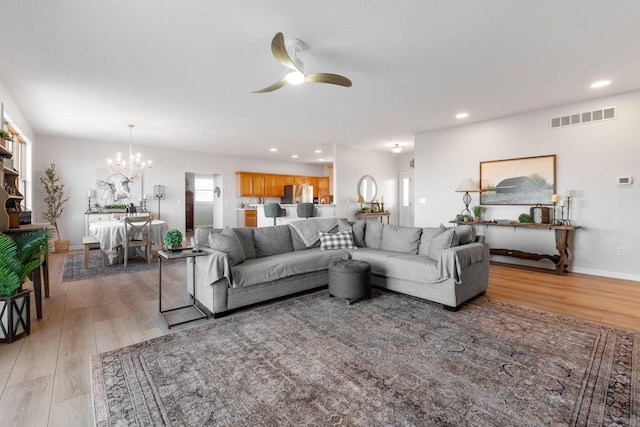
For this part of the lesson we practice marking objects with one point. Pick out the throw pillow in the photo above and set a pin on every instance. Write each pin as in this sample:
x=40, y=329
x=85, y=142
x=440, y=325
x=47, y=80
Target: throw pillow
x=227, y=241
x=466, y=233
x=400, y=239
x=373, y=235
x=446, y=240
x=428, y=234
x=339, y=240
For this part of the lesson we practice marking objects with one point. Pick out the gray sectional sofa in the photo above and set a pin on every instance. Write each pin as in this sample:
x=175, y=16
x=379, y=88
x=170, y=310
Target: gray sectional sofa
x=251, y=265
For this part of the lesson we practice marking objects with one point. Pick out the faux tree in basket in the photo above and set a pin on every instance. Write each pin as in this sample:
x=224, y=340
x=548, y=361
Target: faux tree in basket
x=55, y=200
x=19, y=256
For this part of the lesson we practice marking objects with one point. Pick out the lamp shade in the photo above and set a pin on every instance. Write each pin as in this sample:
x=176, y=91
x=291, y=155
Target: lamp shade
x=468, y=186
x=360, y=199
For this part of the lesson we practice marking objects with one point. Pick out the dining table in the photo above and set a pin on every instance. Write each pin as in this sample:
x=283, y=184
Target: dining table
x=111, y=235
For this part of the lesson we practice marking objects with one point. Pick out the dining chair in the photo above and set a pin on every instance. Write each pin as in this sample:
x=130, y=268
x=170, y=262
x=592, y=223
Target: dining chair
x=137, y=231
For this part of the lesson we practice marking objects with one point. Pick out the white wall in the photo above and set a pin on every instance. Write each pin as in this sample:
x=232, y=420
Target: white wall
x=590, y=157
x=77, y=161
x=350, y=164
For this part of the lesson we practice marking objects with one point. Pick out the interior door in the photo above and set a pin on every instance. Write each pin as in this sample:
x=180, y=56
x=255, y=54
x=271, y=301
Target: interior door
x=406, y=198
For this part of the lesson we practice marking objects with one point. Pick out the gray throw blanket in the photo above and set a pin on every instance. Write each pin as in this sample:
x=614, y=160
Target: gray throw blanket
x=309, y=229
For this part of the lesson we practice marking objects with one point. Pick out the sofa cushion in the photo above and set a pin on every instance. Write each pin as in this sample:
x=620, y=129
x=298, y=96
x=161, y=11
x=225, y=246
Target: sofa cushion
x=245, y=234
x=373, y=235
x=448, y=239
x=272, y=240
x=378, y=259
x=428, y=234
x=416, y=268
x=400, y=239
x=466, y=234
x=267, y=269
x=228, y=242
x=339, y=240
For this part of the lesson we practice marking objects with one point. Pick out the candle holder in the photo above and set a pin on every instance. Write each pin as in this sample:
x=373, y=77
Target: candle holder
x=568, y=220
x=89, y=206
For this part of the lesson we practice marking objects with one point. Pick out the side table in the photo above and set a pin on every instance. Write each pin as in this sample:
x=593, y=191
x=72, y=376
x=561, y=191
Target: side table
x=184, y=254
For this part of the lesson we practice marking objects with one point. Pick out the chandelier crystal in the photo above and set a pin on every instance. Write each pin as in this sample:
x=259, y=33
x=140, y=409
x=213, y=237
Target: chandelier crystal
x=132, y=169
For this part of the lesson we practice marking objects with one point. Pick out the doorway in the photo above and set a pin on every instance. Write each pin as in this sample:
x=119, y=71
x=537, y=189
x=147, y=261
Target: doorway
x=406, y=199
x=203, y=200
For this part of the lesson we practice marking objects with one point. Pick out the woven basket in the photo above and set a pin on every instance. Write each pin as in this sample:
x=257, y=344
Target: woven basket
x=61, y=246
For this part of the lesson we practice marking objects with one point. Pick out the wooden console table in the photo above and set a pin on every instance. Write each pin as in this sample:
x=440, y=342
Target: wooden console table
x=369, y=215
x=561, y=235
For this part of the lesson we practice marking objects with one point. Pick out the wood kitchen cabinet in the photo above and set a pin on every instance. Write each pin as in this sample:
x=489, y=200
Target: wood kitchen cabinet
x=274, y=185
x=251, y=218
x=253, y=184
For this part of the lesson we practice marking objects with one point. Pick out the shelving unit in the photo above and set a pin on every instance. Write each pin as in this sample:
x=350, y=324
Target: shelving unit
x=10, y=197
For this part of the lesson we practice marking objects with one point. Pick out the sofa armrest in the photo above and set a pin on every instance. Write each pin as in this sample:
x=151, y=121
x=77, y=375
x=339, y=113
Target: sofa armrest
x=454, y=260
x=213, y=267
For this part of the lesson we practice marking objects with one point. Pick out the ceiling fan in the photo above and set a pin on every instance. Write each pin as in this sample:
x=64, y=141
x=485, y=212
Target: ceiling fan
x=296, y=74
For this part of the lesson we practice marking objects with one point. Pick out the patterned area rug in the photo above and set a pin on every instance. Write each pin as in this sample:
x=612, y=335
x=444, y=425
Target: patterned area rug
x=73, y=268
x=392, y=360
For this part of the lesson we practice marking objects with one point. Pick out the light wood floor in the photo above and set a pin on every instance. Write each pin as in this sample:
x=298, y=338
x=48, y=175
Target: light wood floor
x=44, y=377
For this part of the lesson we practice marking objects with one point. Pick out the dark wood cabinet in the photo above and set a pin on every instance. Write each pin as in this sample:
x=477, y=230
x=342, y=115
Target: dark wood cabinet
x=188, y=210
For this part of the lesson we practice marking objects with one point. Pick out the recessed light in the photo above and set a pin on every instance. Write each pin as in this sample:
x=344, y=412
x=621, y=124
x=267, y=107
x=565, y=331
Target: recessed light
x=321, y=160
x=318, y=151
x=601, y=83
x=294, y=156
x=462, y=115
x=273, y=150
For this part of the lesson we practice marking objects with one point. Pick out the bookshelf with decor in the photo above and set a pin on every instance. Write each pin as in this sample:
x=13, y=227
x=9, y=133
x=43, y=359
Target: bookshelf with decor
x=10, y=196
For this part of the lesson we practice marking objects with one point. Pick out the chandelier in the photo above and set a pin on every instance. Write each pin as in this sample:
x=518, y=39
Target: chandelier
x=131, y=169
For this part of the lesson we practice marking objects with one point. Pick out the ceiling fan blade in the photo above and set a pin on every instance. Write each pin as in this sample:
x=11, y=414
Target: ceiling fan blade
x=276, y=85
x=279, y=50
x=334, y=79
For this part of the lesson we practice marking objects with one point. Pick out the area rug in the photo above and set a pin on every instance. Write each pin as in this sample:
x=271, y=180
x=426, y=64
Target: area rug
x=393, y=360
x=73, y=268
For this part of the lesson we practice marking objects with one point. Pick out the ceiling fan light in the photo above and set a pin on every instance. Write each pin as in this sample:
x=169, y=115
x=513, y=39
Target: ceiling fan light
x=396, y=149
x=295, y=77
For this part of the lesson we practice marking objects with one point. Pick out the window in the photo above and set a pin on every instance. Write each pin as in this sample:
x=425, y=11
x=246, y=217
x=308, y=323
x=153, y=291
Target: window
x=203, y=189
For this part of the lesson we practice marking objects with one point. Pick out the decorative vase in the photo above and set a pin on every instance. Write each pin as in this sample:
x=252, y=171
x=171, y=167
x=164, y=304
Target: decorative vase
x=15, y=316
x=61, y=246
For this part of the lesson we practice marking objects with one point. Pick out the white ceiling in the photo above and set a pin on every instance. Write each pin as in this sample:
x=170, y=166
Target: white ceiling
x=182, y=71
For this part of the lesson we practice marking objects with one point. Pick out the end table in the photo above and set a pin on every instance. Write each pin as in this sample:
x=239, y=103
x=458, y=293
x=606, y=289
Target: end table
x=184, y=254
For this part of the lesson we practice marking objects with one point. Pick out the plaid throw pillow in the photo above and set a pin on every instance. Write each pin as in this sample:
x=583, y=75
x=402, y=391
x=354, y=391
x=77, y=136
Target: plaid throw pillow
x=339, y=240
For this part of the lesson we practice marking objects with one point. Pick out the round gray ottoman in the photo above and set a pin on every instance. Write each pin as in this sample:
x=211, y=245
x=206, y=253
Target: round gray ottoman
x=350, y=279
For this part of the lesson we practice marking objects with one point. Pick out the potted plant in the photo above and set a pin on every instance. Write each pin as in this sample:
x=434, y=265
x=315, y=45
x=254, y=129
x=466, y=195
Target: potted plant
x=5, y=136
x=54, y=201
x=477, y=213
x=19, y=256
x=172, y=239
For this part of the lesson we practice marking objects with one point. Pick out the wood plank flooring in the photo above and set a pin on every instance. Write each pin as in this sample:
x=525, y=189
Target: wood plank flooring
x=45, y=381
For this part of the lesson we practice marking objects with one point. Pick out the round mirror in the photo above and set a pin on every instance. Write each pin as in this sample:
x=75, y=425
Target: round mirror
x=367, y=188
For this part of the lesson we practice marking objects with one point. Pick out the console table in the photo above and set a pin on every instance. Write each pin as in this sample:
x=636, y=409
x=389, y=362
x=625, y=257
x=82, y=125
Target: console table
x=562, y=242
x=370, y=215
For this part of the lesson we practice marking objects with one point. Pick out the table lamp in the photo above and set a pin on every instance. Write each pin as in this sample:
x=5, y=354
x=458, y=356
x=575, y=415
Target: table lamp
x=467, y=186
x=361, y=201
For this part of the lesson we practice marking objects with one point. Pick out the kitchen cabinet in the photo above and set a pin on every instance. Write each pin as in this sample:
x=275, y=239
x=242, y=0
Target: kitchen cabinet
x=323, y=189
x=251, y=218
x=274, y=185
x=253, y=184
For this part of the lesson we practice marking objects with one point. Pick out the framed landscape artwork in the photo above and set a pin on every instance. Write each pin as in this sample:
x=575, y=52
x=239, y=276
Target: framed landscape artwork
x=523, y=181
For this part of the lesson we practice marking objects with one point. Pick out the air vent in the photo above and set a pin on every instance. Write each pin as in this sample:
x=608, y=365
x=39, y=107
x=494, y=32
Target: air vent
x=607, y=113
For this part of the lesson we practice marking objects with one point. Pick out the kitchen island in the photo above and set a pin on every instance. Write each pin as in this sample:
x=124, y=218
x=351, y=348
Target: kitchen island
x=322, y=210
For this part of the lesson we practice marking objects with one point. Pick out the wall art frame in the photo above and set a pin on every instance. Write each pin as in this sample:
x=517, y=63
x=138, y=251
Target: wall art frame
x=518, y=181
